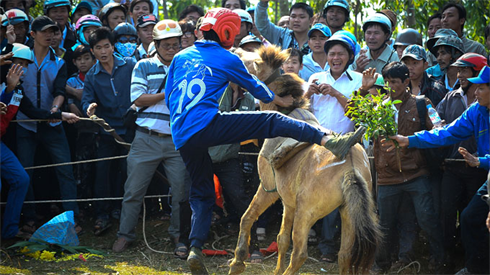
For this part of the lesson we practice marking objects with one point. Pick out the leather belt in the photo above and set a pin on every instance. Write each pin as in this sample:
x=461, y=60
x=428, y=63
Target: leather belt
x=150, y=132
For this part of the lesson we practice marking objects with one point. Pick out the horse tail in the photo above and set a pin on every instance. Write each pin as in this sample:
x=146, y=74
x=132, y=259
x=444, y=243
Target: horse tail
x=360, y=228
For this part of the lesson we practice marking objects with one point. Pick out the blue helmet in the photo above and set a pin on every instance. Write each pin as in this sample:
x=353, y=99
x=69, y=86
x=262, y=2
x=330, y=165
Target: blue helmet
x=345, y=40
x=48, y=4
x=349, y=34
x=338, y=3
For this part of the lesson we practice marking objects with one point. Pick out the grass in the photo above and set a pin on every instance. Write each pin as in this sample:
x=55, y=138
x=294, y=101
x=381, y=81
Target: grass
x=139, y=259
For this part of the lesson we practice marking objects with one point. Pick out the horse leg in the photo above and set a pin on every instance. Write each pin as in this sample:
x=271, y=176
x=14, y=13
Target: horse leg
x=261, y=201
x=283, y=238
x=302, y=224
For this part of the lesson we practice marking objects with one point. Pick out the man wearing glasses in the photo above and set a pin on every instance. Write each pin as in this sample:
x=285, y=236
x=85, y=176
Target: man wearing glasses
x=153, y=143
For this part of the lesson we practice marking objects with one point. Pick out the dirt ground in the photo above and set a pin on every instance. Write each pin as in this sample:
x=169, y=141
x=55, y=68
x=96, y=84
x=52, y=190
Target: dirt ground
x=139, y=259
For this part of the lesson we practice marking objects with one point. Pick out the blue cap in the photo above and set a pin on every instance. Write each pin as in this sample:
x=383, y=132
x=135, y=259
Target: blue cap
x=251, y=9
x=483, y=77
x=320, y=27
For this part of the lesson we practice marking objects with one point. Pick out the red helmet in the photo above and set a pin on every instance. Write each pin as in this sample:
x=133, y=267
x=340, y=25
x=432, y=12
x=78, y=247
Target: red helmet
x=225, y=23
x=472, y=60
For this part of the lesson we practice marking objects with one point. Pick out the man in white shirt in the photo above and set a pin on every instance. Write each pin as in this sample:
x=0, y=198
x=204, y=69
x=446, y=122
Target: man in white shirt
x=328, y=93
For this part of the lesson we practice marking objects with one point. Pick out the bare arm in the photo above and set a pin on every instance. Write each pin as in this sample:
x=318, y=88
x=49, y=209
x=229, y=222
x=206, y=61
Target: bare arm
x=149, y=99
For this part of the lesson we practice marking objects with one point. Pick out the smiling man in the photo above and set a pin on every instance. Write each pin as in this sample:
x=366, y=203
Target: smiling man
x=337, y=14
x=300, y=20
x=377, y=32
x=454, y=17
x=328, y=93
x=107, y=94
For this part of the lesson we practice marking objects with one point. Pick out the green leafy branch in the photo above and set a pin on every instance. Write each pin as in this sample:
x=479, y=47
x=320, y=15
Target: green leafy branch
x=377, y=114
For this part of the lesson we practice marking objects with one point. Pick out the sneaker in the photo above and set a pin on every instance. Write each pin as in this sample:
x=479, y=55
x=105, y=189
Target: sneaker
x=120, y=245
x=340, y=145
x=196, y=263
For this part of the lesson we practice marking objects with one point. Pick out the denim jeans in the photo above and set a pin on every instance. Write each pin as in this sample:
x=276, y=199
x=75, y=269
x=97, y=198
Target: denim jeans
x=15, y=175
x=225, y=129
x=474, y=233
x=54, y=140
x=330, y=233
x=110, y=176
x=389, y=199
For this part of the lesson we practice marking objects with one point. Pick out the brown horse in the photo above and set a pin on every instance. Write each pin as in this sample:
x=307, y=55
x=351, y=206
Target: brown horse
x=311, y=184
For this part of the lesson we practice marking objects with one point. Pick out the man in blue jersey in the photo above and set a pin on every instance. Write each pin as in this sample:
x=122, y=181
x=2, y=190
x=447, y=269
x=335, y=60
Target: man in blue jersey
x=196, y=80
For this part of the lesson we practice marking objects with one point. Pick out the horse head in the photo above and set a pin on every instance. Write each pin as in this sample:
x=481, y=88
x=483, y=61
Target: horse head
x=265, y=63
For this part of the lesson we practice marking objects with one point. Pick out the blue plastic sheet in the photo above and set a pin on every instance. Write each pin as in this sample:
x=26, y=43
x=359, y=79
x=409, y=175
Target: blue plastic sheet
x=59, y=230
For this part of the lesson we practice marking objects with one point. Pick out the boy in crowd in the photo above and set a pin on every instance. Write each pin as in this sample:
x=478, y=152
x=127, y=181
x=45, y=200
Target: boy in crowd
x=144, y=28
x=192, y=96
x=414, y=182
x=153, y=141
x=107, y=94
x=337, y=13
x=294, y=64
x=300, y=20
x=85, y=145
x=377, y=32
x=474, y=122
x=415, y=58
x=328, y=93
x=316, y=61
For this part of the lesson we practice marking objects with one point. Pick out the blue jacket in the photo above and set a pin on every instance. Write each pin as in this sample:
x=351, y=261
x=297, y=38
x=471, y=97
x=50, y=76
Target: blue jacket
x=473, y=122
x=197, y=79
x=111, y=91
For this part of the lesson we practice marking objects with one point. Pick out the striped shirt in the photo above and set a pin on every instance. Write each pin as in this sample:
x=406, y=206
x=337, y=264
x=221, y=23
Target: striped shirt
x=147, y=77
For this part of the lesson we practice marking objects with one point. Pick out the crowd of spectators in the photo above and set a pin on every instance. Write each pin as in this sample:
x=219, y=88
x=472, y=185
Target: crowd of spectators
x=110, y=60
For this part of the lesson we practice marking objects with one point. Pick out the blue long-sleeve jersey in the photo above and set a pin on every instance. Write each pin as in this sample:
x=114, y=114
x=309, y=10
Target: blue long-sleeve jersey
x=196, y=80
x=473, y=122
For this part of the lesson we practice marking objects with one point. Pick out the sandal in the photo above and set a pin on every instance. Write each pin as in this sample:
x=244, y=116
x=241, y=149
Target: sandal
x=181, y=251
x=101, y=226
x=312, y=238
x=23, y=235
x=29, y=227
x=328, y=258
x=260, y=234
x=256, y=257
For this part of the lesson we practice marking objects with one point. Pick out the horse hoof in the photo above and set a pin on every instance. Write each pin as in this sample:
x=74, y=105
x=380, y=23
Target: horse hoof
x=236, y=268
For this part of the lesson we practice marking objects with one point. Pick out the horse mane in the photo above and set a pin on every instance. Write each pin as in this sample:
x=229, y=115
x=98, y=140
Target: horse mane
x=290, y=84
x=272, y=56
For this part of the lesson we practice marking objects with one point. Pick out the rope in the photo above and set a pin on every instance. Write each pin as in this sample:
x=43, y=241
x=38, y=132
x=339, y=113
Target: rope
x=46, y=120
x=93, y=199
x=74, y=162
x=144, y=234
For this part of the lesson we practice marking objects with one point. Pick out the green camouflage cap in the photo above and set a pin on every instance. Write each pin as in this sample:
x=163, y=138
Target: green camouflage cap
x=450, y=41
x=414, y=51
x=439, y=33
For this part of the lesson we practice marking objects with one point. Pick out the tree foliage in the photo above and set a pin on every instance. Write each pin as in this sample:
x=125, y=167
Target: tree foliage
x=410, y=13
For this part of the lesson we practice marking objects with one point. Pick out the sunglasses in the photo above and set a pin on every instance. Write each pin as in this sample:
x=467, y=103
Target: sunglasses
x=124, y=39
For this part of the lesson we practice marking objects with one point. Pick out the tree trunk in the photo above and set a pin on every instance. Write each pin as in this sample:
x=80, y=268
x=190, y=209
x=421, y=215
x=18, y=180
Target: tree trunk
x=410, y=14
x=165, y=11
x=283, y=8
